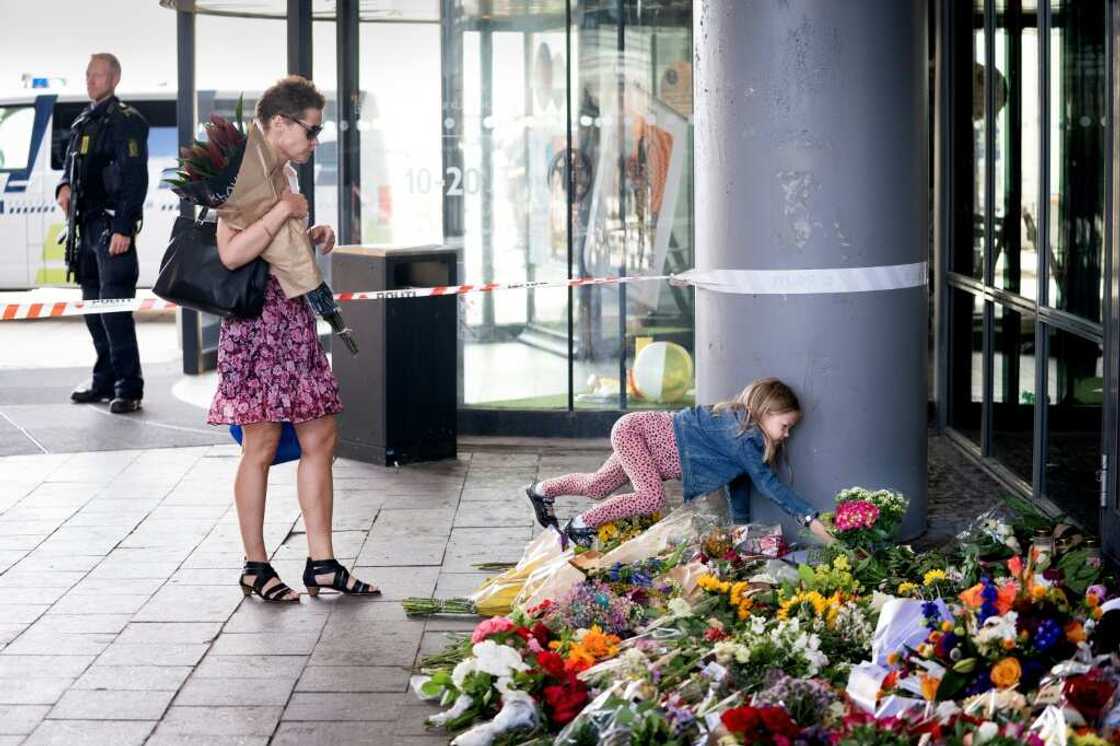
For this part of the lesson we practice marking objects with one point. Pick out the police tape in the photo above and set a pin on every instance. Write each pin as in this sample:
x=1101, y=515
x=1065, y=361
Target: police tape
x=49, y=309
x=734, y=281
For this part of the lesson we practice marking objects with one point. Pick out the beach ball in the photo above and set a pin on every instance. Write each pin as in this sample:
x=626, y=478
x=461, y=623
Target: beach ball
x=663, y=372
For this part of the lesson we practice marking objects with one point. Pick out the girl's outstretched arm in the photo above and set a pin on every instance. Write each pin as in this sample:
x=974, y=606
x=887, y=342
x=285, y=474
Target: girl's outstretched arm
x=781, y=494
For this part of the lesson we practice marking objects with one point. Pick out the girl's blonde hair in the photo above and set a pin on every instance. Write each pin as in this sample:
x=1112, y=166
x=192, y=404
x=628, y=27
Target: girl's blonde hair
x=760, y=398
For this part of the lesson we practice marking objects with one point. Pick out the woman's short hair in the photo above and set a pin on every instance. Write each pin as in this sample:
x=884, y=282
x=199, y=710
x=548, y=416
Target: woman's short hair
x=290, y=97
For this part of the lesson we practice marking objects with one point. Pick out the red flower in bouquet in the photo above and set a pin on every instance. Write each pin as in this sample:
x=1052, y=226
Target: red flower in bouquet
x=778, y=722
x=1089, y=693
x=564, y=701
x=741, y=719
x=854, y=515
x=551, y=663
x=541, y=633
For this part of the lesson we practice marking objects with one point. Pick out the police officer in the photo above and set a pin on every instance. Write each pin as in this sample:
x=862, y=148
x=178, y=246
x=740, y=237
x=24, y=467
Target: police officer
x=109, y=147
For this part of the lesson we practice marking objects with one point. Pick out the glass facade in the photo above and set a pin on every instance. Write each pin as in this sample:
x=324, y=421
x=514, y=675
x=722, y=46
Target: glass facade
x=1028, y=117
x=567, y=153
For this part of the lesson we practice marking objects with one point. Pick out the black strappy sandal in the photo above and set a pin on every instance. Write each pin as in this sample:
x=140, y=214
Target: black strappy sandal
x=339, y=581
x=544, y=508
x=263, y=572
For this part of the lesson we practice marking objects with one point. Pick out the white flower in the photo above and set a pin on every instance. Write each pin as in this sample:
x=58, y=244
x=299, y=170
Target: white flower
x=986, y=732
x=464, y=668
x=497, y=660
x=996, y=629
x=758, y=625
x=679, y=607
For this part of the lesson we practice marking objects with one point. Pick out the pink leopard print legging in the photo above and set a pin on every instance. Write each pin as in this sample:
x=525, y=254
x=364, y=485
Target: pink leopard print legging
x=645, y=452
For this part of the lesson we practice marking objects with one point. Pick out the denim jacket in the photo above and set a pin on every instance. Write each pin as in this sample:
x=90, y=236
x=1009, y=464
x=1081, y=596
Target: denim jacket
x=714, y=454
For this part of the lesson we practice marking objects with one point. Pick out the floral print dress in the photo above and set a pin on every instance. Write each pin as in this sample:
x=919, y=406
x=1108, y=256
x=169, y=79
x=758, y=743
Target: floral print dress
x=271, y=368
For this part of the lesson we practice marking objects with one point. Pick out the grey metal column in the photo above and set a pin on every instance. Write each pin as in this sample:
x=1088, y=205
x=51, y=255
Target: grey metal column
x=811, y=153
x=190, y=331
x=300, y=62
x=349, y=97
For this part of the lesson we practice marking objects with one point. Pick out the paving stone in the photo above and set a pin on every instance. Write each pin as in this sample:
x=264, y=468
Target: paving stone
x=21, y=719
x=104, y=704
x=33, y=691
x=342, y=706
x=354, y=679
x=99, y=603
x=142, y=678
x=176, y=740
x=219, y=721
x=403, y=552
x=216, y=692
x=102, y=586
x=191, y=604
x=79, y=623
x=331, y=733
x=34, y=642
x=265, y=643
x=21, y=613
x=43, y=666
x=170, y=654
x=161, y=632
x=250, y=667
x=9, y=632
x=495, y=514
x=397, y=583
x=90, y=733
x=256, y=616
x=456, y=584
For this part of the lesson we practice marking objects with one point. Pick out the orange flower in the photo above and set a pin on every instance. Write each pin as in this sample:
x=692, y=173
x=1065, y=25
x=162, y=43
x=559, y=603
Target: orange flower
x=1006, y=673
x=929, y=686
x=1008, y=643
x=1006, y=595
x=1038, y=592
x=1015, y=565
x=578, y=657
x=972, y=597
x=1075, y=633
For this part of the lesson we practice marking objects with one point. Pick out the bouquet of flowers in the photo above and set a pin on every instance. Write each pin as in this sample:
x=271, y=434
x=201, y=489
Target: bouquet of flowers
x=866, y=518
x=239, y=175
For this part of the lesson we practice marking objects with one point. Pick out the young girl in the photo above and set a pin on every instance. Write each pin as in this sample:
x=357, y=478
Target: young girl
x=705, y=447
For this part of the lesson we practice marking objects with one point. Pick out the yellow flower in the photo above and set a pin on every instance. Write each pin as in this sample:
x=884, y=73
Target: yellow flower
x=708, y=582
x=1006, y=673
x=737, y=592
x=934, y=576
x=905, y=588
x=841, y=563
x=607, y=532
x=580, y=657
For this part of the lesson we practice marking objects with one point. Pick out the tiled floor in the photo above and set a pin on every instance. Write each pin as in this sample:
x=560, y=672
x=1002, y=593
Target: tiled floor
x=121, y=621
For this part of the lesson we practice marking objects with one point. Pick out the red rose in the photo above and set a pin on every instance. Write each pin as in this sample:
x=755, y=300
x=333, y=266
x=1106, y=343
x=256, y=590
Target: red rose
x=523, y=633
x=551, y=663
x=1089, y=693
x=565, y=700
x=740, y=719
x=778, y=721
x=541, y=631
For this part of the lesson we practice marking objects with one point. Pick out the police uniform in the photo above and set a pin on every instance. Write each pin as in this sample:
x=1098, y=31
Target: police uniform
x=109, y=141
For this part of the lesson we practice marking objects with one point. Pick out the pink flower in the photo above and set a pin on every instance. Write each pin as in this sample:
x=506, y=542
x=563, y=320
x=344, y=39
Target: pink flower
x=493, y=626
x=855, y=514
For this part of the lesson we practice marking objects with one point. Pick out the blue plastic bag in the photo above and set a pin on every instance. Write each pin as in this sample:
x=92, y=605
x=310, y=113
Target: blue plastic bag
x=286, y=450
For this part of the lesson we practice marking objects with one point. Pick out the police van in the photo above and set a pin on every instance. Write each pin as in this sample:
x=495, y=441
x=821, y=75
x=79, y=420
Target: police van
x=34, y=132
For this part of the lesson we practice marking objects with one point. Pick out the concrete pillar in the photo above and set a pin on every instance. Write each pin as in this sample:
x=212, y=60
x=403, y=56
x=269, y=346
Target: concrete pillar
x=811, y=153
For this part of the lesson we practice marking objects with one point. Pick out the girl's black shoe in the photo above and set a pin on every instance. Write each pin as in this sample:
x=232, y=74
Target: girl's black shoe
x=543, y=507
x=583, y=535
x=262, y=572
x=340, y=578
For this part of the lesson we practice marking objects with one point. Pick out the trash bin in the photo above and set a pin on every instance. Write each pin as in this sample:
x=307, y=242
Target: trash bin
x=399, y=391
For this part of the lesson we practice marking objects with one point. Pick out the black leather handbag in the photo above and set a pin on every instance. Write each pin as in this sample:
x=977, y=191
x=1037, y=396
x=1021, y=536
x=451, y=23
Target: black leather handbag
x=192, y=275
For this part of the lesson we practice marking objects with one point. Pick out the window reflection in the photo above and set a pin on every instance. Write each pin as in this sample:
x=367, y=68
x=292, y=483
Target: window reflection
x=1017, y=142
x=966, y=363
x=1078, y=117
x=1074, y=399
x=1013, y=395
x=614, y=199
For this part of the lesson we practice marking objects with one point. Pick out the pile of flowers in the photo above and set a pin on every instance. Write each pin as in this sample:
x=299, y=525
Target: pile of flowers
x=707, y=641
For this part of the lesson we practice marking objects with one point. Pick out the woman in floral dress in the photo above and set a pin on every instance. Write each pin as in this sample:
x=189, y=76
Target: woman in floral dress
x=272, y=370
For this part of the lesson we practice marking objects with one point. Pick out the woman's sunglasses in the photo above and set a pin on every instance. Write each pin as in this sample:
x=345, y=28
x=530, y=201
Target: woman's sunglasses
x=311, y=130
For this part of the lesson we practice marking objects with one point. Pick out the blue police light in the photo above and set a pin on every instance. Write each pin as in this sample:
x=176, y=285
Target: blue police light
x=40, y=83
